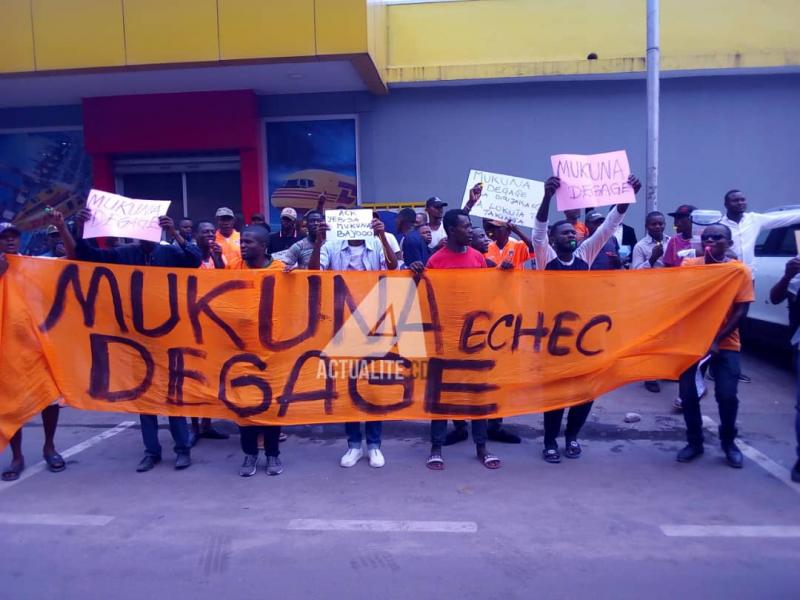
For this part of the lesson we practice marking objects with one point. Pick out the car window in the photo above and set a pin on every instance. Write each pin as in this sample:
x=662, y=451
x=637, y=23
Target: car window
x=761, y=242
x=787, y=245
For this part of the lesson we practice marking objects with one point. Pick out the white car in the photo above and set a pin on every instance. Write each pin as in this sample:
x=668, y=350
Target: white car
x=774, y=247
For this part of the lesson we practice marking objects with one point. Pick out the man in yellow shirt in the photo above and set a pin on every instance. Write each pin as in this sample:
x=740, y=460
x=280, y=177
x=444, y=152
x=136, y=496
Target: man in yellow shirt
x=725, y=349
x=227, y=237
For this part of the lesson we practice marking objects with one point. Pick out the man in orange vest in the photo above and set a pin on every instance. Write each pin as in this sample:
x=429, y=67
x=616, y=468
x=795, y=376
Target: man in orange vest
x=227, y=237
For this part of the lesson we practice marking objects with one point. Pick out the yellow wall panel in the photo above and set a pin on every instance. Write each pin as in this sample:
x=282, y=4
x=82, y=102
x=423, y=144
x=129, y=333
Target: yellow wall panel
x=171, y=31
x=524, y=38
x=16, y=36
x=78, y=33
x=266, y=28
x=377, y=32
x=341, y=26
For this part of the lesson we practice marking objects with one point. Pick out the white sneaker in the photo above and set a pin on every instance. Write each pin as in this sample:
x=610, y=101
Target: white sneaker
x=376, y=458
x=351, y=457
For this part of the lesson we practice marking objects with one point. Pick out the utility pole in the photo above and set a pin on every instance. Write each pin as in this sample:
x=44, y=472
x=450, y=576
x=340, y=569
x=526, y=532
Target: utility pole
x=653, y=93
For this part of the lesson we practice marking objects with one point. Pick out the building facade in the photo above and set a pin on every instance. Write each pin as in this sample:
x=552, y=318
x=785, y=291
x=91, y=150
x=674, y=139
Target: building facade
x=260, y=104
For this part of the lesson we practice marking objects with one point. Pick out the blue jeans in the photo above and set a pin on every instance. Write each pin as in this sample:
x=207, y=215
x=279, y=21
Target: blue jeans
x=797, y=407
x=373, y=430
x=726, y=370
x=177, y=427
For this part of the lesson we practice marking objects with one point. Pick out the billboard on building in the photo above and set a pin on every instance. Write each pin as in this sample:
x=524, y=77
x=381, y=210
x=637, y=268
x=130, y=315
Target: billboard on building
x=40, y=169
x=310, y=157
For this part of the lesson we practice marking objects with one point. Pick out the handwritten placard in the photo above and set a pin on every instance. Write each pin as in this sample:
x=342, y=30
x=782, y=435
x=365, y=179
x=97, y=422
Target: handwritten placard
x=349, y=224
x=505, y=197
x=117, y=216
x=592, y=180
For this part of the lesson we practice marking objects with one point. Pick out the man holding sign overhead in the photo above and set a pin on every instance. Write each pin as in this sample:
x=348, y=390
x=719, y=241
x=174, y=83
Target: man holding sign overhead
x=178, y=254
x=564, y=254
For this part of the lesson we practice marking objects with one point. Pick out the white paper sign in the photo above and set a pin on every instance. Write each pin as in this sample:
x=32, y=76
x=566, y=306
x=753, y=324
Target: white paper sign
x=117, y=216
x=349, y=224
x=505, y=197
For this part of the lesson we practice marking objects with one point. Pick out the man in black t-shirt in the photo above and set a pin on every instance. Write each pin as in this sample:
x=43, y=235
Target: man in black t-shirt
x=287, y=236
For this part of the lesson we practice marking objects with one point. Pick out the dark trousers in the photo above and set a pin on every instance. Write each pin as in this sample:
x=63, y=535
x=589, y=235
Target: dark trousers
x=576, y=417
x=725, y=368
x=177, y=427
x=494, y=424
x=248, y=437
x=479, y=431
x=797, y=407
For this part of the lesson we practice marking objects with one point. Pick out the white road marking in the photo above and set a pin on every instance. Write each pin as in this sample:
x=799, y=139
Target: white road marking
x=747, y=531
x=72, y=451
x=54, y=519
x=382, y=526
x=779, y=472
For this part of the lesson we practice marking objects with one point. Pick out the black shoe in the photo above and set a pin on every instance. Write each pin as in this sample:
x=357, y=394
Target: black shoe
x=147, y=463
x=572, y=449
x=213, y=434
x=796, y=472
x=689, y=453
x=282, y=437
x=503, y=436
x=455, y=436
x=652, y=386
x=733, y=455
x=744, y=378
x=182, y=461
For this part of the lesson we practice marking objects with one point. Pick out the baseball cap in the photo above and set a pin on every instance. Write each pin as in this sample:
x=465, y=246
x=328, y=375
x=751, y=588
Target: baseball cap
x=51, y=229
x=434, y=201
x=594, y=216
x=289, y=213
x=224, y=211
x=684, y=210
x=6, y=227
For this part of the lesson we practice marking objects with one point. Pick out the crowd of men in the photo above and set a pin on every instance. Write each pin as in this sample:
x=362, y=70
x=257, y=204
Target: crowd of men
x=439, y=239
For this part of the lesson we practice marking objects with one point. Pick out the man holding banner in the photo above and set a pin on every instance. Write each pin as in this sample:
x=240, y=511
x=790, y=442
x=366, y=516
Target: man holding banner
x=562, y=253
x=179, y=254
x=458, y=254
x=361, y=252
x=9, y=244
x=725, y=349
x=255, y=241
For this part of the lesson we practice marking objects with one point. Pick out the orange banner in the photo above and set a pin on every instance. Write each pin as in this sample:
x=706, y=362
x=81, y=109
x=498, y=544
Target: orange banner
x=314, y=347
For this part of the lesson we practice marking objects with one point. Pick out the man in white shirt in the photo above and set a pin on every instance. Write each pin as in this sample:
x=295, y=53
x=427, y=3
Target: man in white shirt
x=434, y=207
x=648, y=253
x=745, y=226
x=371, y=254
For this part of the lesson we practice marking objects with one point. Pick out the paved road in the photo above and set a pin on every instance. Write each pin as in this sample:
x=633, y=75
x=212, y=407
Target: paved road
x=610, y=525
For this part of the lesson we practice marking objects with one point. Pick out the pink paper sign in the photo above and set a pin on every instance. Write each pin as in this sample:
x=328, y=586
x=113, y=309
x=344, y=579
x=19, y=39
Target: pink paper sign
x=592, y=180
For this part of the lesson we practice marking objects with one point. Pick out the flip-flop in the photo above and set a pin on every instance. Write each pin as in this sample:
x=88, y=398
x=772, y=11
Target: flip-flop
x=435, y=462
x=573, y=449
x=551, y=455
x=12, y=473
x=490, y=461
x=55, y=463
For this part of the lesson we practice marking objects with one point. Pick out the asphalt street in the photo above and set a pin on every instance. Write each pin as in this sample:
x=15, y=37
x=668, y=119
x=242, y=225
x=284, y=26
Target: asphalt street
x=624, y=521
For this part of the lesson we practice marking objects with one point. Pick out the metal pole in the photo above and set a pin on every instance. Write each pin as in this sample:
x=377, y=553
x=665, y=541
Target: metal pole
x=653, y=92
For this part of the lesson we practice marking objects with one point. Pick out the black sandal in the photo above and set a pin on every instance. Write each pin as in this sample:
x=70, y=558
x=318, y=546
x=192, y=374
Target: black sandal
x=13, y=472
x=572, y=449
x=551, y=455
x=55, y=463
